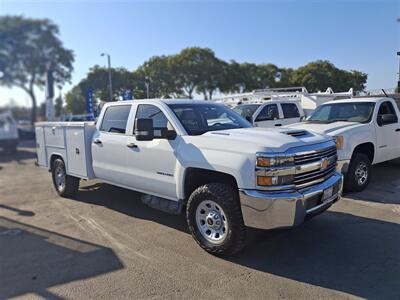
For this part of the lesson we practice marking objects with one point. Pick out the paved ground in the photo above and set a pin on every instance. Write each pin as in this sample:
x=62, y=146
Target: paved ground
x=106, y=244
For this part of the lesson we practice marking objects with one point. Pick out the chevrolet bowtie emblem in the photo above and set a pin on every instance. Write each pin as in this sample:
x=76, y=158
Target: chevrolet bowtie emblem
x=324, y=163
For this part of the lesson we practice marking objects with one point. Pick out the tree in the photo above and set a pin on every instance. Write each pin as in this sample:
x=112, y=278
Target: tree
x=75, y=101
x=28, y=48
x=159, y=76
x=97, y=80
x=58, y=107
x=321, y=74
x=190, y=68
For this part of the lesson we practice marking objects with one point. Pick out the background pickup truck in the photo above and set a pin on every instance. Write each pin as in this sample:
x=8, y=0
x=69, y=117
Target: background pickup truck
x=8, y=133
x=199, y=156
x=272, y=113
x=366, y=130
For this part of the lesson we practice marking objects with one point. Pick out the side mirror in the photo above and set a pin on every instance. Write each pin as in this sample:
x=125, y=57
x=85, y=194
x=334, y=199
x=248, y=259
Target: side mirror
x=386, y=119
x=144, y=130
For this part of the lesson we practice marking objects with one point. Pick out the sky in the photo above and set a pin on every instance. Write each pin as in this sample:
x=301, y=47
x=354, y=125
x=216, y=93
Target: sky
x=359, y=35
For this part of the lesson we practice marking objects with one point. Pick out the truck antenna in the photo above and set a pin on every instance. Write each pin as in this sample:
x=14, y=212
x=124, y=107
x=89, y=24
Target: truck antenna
x=383, y=90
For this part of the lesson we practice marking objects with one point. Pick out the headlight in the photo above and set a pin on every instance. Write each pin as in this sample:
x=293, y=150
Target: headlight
x=274, y=161
x=339, y=140
x=274, y=180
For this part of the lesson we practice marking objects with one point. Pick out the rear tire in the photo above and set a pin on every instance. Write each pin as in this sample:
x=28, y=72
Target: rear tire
x=359, y=174
x=215, y=219
x=65, y=185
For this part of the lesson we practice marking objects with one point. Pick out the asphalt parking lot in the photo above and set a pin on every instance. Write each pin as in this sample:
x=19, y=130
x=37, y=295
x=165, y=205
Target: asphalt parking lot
x=104, y=243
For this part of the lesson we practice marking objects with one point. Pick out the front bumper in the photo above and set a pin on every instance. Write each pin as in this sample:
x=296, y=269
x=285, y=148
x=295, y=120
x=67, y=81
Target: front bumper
x=281, y=209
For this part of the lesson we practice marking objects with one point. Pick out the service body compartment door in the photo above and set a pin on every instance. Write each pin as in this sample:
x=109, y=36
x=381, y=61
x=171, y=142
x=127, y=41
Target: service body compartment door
x=76, y=151
x=54, y=136
x=40, y=147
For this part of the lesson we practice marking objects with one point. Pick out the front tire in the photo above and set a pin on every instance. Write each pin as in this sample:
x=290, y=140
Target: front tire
x=215, y=219
x=65, y=185
x=359, y=173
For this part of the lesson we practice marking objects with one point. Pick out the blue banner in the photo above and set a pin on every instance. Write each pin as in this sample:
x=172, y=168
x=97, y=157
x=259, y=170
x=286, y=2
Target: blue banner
x=127, y=95
x=89, y=105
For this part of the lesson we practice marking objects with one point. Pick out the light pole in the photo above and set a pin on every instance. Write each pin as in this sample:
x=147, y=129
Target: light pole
x=398, y=81
x=109, y=75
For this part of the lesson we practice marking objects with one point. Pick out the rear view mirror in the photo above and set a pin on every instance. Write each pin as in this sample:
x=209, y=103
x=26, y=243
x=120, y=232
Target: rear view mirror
x=144, y=130
x=386, y=119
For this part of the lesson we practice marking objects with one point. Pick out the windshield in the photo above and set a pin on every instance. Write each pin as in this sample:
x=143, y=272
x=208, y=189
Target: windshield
x=246, y=110
x=200, y=118
x=360, y=112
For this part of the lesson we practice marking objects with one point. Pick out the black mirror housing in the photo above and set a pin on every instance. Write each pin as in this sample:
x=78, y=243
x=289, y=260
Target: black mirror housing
x=144, y=129
x=387, y=119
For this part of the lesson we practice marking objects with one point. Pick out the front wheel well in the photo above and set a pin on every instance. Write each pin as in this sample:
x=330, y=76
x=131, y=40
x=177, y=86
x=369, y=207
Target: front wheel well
x=367, y=149
x=195, y=177
x=53, y=157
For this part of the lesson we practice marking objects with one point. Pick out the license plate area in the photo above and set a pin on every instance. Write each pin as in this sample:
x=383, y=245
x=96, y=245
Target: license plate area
x=328, y=193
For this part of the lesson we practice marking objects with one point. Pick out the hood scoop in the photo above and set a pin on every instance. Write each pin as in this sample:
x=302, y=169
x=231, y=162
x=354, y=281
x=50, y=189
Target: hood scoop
x=296, y=133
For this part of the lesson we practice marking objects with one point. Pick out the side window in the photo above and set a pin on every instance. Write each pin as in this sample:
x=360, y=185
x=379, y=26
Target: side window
x=148, y=111
x=290, y=110
x=269, y=112
x=115, y=119
x=386, y=108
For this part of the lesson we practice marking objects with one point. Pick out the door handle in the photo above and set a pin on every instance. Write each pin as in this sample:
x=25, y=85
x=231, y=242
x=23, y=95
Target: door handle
x=97, y=142
x=397, y=130
x=132, y=145
x=278, y=124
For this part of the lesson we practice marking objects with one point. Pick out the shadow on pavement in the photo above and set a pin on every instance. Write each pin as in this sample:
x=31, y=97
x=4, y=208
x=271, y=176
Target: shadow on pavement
x=127, y=202
x=33, y=259
x=338, y=251
x=25, y=213
x=26, y=151
x=384, y=186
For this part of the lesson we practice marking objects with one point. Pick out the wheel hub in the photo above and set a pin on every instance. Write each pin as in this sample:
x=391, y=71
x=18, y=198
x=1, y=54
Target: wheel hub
x=211, y=221
x=361, y=173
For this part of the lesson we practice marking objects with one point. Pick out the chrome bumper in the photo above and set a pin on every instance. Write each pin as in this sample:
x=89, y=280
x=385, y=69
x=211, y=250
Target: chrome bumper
x=343, y=165
x=280, y=209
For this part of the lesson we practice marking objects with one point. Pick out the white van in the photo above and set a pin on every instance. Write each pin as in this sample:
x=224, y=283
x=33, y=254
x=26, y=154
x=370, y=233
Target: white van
x=272, y=113
x=8, y=133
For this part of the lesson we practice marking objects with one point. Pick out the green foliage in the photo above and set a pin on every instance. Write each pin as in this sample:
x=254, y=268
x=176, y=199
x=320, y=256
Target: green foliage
x=75, y=101
x=321, y=74
x=198, y=70
x=58, y=106
x=28, y=48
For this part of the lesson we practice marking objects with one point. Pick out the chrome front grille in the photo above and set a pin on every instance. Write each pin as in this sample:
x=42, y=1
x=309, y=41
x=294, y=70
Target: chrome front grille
x=323, y=164
x=314, y=156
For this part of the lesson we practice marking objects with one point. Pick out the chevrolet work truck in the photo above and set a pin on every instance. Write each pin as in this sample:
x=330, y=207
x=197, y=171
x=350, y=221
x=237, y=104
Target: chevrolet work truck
x=366, y=131
x=201, y=157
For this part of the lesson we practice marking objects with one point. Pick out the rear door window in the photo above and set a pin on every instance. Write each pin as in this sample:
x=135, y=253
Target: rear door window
x=115, y=119
x=269, y=112
x=290, y=110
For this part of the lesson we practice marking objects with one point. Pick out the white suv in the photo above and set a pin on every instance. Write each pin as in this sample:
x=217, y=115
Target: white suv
x=8, y=133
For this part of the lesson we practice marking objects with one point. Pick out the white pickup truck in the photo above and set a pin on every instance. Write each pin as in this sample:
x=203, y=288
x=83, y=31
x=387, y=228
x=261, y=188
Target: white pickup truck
x=8, y=133
x=200, y=156
x=272, y=113
x=366, y=130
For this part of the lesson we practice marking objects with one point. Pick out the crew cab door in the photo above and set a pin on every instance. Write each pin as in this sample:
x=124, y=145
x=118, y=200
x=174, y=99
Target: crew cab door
x=109, y=144
x=290, y=112
x=388, y=134
x=268, y=116
x=151, y=164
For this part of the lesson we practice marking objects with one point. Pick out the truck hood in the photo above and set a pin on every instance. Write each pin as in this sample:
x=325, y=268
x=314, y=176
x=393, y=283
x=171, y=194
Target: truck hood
x=330, y=129
x=253, y=140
